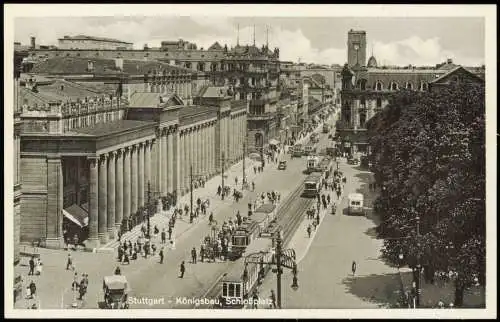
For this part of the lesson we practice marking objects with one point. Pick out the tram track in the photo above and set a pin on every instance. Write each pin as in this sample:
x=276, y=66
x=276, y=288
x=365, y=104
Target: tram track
x=288, y=217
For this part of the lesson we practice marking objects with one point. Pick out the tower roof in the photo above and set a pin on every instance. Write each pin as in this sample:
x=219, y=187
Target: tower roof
x=372, y=62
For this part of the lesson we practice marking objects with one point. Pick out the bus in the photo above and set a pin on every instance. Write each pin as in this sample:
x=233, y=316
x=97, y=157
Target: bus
x=312, y=185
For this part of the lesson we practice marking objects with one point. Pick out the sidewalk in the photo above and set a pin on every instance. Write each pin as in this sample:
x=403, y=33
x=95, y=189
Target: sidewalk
x=442, y=291
x=161, y=218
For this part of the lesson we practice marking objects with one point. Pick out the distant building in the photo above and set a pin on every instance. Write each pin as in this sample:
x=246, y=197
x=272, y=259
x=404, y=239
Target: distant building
x=90, y=42
x=366, y=88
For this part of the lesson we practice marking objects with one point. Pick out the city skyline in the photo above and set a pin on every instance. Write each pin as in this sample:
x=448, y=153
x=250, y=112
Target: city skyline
x=393, y=41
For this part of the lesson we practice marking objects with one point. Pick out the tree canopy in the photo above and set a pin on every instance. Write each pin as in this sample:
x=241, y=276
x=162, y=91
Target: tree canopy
x=428, y=152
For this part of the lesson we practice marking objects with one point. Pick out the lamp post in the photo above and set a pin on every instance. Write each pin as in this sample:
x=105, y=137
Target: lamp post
x=282, y=258
x=148, y=210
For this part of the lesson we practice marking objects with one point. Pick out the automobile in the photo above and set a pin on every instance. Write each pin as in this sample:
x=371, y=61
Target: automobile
x=353, y=161
x=282, y=165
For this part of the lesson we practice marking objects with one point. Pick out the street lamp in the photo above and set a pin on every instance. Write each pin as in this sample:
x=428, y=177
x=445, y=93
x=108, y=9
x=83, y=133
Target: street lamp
x=281, y=258
x=400, y=259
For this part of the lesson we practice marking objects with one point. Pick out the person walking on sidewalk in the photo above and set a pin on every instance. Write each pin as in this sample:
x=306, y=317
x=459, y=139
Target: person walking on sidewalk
x=163, y=236
x=309, y=230
x=193, y=255
x=161, y=255
x=69, y=262
x=210, y=218
x=182, y=269
x=202, y=252
x=32, y=266
x=253, y=186
x=235, y=181
x=273, y=299
x=254, y=170
x=353, y=267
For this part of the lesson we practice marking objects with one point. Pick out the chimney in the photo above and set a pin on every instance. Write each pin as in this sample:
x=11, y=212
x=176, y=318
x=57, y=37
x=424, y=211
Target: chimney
x=449, y=61
x=33, y=42
x=90, y=66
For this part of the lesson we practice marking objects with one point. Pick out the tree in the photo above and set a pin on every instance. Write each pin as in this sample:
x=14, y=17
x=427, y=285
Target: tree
x=428, y=152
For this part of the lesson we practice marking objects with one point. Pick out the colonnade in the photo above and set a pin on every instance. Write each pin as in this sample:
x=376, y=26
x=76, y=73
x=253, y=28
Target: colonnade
x=197, y=145
x=117, y=188
x=237, y=136
x=180, y=86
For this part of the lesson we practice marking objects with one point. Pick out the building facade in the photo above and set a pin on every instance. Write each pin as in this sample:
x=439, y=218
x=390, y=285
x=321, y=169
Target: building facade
x=89, y=157
x=366, y=88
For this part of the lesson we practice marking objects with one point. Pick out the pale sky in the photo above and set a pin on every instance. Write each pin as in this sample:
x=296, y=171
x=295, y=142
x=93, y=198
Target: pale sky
x=395, y=41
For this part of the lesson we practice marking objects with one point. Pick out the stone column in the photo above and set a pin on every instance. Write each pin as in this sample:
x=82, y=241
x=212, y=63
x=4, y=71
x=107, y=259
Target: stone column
x=93, y=240
x=170, y=157
x=196, y=150
x=176, y=165
x=203, y=159
x=147, y=165
x=181, y=161
x=134, y=175
x=157, y=169
x=190, y=156
x=119, y=189
x=140, y=186
x=127, y=183
x=163, y=162
x=111, y=195
x=211, y=150
x=54, y=237
x=103, y=199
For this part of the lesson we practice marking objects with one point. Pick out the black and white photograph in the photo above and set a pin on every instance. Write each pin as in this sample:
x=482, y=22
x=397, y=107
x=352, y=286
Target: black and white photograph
x=225, y=161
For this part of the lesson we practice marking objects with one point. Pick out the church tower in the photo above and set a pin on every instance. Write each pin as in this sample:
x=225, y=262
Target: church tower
x=356, y=48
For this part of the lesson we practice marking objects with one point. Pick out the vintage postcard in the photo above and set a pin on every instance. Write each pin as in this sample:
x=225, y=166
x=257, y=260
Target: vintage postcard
x=224, y=161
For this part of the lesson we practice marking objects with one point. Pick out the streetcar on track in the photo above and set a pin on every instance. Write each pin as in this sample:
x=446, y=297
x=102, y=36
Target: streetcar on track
x=312, y=185
x=237, y=286
x=251, y=229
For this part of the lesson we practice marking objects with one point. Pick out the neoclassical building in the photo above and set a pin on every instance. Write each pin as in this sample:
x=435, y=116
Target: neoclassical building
x=367, y=87
x=89, y=157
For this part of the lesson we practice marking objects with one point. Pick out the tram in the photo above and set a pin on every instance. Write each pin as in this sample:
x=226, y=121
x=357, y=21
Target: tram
x=240, y=282
x=312, y=185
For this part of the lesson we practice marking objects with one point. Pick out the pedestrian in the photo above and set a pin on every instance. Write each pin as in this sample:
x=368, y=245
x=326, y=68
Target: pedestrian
x=273, y=299
x=309, y=230
x=219, y=190
x=182, y=270
x=163, y=236
x=74, y=284
x=161, y=255
x=255, y=299
x=254, y=170
x=69, y=263
x=353, y=267
x=193, y=255
x=235, y=181
x=210, y=218
x=253, y=186
x=126, y=259
x=38, y=267
x=32, y=266
x=169, y=232
x=202, y=252
x=32, y=288
x=328, y=199
x=441, y=304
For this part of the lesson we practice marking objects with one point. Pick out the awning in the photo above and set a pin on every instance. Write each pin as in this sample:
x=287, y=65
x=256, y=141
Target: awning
x=274, y=142
x=77, y=215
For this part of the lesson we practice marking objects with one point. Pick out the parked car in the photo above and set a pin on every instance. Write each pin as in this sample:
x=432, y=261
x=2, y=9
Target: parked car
x=353, y=161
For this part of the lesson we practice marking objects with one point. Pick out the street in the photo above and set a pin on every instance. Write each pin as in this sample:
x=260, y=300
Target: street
x=160, y=282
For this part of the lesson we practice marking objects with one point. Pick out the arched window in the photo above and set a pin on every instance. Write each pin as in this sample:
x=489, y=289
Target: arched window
x=378, y=86
x=362, y=119
x=394, y=86
x=409, y=85
x=213, y=67
x=188, y=65
x=201, y=66
x=379, y=102
x=424, y=86
x=363, y=102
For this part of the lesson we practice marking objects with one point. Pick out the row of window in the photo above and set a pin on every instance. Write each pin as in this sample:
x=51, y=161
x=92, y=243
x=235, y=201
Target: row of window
x=393, y=86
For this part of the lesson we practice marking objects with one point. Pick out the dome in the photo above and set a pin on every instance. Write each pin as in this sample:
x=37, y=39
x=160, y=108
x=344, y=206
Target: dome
x=372, y=62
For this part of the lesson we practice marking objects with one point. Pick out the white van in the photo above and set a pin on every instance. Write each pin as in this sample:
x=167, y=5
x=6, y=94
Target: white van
x=355, y=204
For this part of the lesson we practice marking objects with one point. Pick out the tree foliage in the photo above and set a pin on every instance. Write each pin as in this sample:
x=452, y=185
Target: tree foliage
x=428, y=152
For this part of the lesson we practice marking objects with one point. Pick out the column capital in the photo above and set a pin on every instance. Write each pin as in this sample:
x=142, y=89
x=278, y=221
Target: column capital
x=92, y=159
x=103, y=157
x=112, y=154
x=158, y=132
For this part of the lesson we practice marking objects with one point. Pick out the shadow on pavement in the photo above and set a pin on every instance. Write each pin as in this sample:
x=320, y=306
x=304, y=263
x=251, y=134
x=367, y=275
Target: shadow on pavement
x=383, y=290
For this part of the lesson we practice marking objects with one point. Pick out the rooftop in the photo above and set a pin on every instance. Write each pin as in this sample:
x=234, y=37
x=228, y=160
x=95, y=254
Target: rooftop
x=58, y=90
x=77, y=65
x=118, y=126
x=84, y=37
